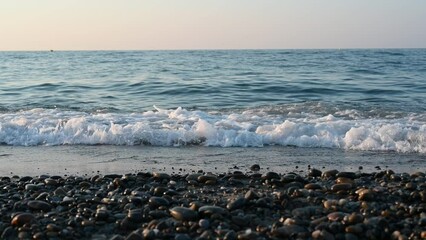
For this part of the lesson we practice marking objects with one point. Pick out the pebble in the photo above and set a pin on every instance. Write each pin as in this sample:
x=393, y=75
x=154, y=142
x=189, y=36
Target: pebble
x=22, y=218
x=329, y=174
x=288, y=230
x=209, y=210
x=156, y=202
x=341, y=187
x=183, y=214
x=255, y=167
x=207, y=178
x=251, y=195
x=39, y=205
x=365, y=194
x=236, y=204
x=312, y=186
x=161, y=176
x=313, y=172
x=336, y=216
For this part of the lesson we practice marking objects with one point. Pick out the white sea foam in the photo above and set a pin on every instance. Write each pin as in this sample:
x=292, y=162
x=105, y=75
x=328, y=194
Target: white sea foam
x=183, y=127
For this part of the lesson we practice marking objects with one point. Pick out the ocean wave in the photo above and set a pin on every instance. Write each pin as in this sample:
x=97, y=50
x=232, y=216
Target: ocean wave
x=180, y=127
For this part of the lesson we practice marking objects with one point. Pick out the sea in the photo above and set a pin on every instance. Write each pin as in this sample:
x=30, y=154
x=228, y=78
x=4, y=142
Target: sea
x=90, y=112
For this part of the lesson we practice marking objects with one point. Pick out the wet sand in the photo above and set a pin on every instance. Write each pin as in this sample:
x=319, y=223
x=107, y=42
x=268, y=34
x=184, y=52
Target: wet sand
x=91, y=160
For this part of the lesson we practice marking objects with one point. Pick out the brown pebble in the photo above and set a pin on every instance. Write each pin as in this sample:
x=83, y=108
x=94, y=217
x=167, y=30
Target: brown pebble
x=365, y=194
x=161, y=176
x=207, y=178
x=336, y=216
x=22, y=218
x=345, y=180
x=354, y=218
x=312, y=186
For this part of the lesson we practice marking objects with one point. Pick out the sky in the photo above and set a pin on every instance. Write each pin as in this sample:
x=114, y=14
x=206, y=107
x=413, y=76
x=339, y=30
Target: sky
x=211, y=24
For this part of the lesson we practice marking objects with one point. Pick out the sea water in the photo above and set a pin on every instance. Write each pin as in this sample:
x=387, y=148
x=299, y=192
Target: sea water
x=369, y=101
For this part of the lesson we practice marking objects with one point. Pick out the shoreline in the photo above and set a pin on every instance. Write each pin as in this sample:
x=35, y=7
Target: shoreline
x=92, y=160
x=321, y=204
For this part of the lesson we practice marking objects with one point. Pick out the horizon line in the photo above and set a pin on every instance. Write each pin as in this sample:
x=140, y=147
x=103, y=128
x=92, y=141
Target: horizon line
x=207, y=49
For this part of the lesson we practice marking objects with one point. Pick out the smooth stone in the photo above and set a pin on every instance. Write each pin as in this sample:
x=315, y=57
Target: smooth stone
x=101, y=214
x=209, y=210
x=356, y=229
x=161, y=176
x=326, y=235
x=204, y=223
x=236, y=204
x=207, y=178
x=255, y=167
x=39, y=205
x=306, y=212
x=192, y=177
x=135, y=215
x=156, y=202
x=135, y=235
x=148, y=234
x=183, y=214
x=350, y=236
x=336, y=216
x=159, y=191
x=354, y=218
x=51, y=227
x=312, y=186
x=157, y=214
x=25, y=179
x=113, y=176
x=24, y=235
x=271, y=175
x=350, y=175
x=341, y=187
x=51, y=182
x=9, y=233
x=330, y=173
x=182, y=236
x=42, y=196
x=84, y=184
x=22, y=218
x=230, y=235
x=330, y=204
x=247, y=235
x=32, y=187
x=345, y=180
x=251, y=195
x=314, y=172
x=59, y=192
x=288, y=230
x=241, y=221
x=365, y=195
x=67, y=200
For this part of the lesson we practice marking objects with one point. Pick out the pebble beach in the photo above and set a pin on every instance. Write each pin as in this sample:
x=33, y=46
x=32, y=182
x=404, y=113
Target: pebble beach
x=239, y=204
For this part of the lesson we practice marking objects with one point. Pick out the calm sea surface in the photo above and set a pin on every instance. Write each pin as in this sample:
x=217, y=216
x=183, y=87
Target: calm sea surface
x=363, y=100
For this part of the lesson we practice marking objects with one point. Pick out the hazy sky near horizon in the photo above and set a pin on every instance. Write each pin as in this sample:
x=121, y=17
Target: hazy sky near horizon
x=211, y=24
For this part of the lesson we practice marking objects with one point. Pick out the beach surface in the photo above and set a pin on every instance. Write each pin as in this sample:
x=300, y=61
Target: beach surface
x=255, y=204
